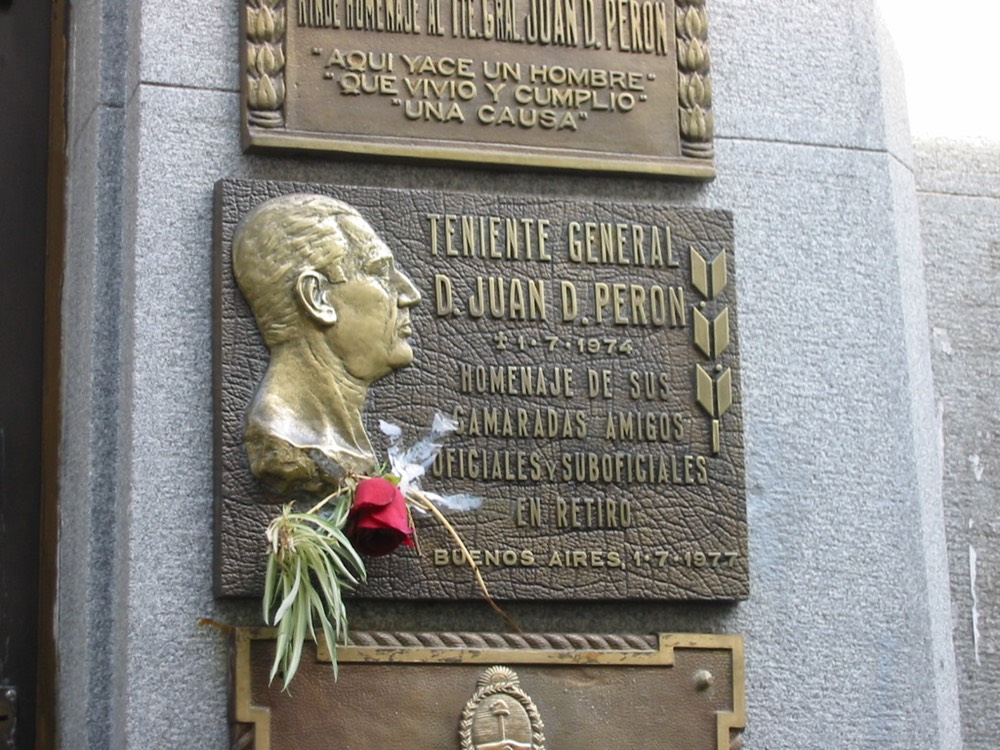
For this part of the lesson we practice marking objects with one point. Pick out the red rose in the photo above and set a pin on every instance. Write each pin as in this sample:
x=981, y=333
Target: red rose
x=379, y=521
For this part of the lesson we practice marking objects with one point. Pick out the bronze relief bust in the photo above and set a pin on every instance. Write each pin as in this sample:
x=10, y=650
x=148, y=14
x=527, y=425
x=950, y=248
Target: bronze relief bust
x=334, y=311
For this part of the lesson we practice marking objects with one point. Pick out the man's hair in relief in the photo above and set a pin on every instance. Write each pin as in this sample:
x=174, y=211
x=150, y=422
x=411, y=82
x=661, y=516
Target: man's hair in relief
x=278, y=240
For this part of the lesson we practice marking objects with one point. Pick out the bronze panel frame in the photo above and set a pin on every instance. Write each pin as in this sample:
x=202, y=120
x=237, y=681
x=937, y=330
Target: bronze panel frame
x=252, y=723
x=265, y=126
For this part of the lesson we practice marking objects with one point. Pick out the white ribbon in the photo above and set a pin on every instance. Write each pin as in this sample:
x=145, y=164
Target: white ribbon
x=410, y=463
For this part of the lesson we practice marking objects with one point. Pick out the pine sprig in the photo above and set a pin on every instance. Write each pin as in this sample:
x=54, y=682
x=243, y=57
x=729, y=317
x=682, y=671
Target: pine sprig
x=310, y=562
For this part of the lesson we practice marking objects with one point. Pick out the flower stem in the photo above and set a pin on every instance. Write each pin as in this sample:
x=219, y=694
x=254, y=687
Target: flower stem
x=315, y=509
x=424, y=502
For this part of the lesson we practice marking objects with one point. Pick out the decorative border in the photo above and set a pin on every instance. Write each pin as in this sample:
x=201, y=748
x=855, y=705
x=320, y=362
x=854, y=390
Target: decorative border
x=252, y=726
x=694, y=80
x=263, y=27
x=713, y=386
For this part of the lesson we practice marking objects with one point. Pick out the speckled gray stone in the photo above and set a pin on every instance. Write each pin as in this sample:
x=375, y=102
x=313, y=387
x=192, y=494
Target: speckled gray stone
x=89, y=520
x=797, y=72
x=969, y=166
x=847, y=629
x=101, y=59
x=893, y=93
x=960, y=233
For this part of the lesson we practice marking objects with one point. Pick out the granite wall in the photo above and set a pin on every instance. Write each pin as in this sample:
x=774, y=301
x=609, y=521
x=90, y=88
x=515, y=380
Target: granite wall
x=848, y=625
x=958, y=189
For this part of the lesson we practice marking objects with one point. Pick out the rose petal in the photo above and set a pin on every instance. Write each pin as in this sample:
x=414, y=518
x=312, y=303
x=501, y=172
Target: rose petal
x=375, y=491
x=379, y=521
x=379, y=542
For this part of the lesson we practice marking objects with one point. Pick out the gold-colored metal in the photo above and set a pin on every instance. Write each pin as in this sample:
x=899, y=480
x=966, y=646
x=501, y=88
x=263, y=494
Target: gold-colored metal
x=671, y=692
x=720, y=332
x=694, y=86
x=724, y=390
x=500, y=715
x=709, y=278
x=712, y=338
x=705, y=390
x=620, y=86
x=333, y=310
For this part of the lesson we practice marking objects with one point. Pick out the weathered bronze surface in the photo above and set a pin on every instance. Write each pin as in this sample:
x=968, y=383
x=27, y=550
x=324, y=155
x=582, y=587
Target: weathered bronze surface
x=333, y=310
x=618, y=85
x=500, y=715
x=588, y=352
x=461, y=691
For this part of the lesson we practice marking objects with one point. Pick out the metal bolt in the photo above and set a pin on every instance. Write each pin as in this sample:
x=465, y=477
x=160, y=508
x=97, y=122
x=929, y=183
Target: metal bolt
x=703, y=679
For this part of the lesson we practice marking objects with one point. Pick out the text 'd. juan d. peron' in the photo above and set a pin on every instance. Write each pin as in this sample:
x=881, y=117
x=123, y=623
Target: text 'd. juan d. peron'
x=579, y=359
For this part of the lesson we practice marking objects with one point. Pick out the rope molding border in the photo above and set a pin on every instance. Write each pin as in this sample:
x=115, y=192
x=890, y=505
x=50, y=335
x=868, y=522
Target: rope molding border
x=251, y=726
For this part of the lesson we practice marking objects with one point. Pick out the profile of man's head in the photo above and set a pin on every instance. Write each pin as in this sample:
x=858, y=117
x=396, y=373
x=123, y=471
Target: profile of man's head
x=315, y=273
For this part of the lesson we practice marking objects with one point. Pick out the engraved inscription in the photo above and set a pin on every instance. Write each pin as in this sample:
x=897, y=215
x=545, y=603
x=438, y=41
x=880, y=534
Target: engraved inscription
x=449, y=89
x=588, y=356
x=619, y=85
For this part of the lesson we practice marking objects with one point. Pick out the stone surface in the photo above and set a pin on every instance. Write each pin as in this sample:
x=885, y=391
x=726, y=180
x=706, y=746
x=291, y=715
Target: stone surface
x=960, y=224
x=969, y=167
x=844, y=630
x=797, y=74
x=893, y=94
x=101, y=59
x=90, y=530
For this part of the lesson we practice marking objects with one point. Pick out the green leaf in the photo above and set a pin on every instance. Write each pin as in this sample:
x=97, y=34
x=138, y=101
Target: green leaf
x=324, y=575
x=326, y=526
x=336, y=556
x=280, y=651
x=290, y=597
x=351, y=554
x=340, y=512
x=269, y=579
x=310, y=563
x=300, y=617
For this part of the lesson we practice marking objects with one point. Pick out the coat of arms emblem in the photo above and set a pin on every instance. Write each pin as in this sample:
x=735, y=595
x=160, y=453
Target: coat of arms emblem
x=500, y=715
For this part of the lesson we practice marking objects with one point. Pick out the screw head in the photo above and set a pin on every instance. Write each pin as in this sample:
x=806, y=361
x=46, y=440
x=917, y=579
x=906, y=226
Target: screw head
x=703, y=679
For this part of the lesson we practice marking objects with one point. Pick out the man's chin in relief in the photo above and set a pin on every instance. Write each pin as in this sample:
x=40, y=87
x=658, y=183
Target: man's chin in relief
x=334, y=312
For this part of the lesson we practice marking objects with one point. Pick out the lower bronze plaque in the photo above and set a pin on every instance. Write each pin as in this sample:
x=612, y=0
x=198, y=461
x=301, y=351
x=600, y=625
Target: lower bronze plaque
x=587, y=353
x=467, y=691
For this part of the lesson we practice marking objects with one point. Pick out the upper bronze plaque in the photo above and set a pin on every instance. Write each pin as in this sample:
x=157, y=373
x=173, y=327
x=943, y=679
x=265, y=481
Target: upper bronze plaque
x=588, y=352
x=611, y=85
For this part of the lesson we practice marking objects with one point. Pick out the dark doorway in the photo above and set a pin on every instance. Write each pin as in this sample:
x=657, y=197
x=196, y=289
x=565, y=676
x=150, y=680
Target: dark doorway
x=24, y=147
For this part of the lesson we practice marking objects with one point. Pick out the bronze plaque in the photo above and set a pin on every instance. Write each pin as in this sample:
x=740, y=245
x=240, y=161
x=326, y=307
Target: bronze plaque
x=614, y=85
x=587, y=351
x=469, y=691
